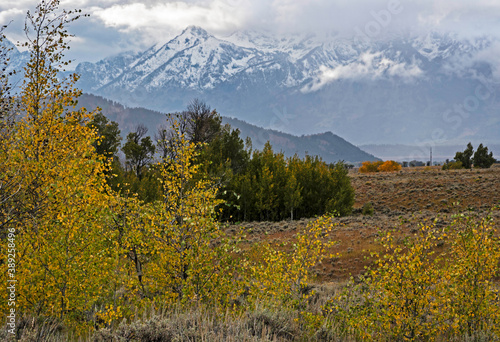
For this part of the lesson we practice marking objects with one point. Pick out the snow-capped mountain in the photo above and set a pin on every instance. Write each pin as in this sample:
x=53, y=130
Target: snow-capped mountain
x=413, y=90
x=199, y=61
x=16, y=60
x=105, y=71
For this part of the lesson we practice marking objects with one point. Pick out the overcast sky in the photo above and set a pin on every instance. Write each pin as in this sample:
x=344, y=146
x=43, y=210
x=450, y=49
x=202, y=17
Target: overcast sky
x=119, y=25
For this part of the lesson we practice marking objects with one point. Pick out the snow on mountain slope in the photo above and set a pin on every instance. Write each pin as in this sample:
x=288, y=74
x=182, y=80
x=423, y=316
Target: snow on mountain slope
x=17, y=60
x=197, y=60
x=194, y=59
x=101, y=73
x=404, y=87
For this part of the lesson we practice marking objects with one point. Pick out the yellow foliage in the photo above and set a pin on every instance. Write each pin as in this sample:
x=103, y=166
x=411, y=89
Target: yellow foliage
x=388, y=166
x=173, y=250
x=370, y=166
x=418, y=293
x=281, y=276
x=379, y=166
x=188, y=264
x=61, y=207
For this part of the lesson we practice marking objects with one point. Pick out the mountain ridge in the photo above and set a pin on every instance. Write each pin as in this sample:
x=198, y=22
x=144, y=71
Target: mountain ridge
x=372, y=92
x=330, y=147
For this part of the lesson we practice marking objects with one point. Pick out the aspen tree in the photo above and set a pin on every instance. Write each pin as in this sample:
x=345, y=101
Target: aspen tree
x=62, y=242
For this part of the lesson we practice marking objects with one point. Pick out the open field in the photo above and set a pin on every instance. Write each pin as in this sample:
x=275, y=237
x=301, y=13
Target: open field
x=401, y=200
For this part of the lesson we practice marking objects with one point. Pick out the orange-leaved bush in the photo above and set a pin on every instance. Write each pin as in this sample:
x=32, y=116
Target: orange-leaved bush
x=368, y=166
x=379, y=166
x=388, y=166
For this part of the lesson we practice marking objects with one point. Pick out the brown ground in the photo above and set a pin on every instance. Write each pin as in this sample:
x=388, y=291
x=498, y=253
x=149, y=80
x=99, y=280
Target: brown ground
x=400, y=200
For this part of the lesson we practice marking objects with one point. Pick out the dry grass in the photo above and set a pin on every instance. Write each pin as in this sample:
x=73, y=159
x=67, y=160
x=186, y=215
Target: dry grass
x=193, y=324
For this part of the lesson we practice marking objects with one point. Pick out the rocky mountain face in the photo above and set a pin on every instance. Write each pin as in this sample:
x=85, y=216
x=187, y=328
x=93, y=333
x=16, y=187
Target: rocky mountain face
x=435, y=89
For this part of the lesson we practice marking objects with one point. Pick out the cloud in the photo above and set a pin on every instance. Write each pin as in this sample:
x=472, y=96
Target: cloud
x=479, y=59
x=490, y=56
x=7, y=15
x=338, y=15
x=216, y=16
x=144, y=22
x=370, y=66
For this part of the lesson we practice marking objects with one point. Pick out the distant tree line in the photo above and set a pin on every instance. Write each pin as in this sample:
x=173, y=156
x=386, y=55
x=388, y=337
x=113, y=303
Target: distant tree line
x=468, y=158
x=272, y=187
x=255, y=185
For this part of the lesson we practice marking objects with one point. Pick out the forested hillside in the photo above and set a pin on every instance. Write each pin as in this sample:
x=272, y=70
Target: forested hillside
x=330, y=147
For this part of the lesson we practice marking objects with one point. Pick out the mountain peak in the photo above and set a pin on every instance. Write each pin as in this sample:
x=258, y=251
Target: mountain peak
x=8, y=45
x=195, y=31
